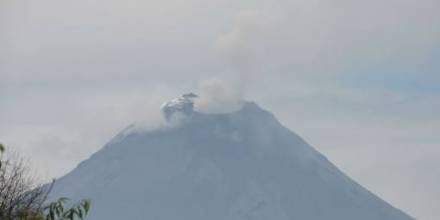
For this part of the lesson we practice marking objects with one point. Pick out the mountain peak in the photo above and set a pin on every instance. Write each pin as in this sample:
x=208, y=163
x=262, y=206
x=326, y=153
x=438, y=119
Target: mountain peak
x=240, y=165
x=183, y=104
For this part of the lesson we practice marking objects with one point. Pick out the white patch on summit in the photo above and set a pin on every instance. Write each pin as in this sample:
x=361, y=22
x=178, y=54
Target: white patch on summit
x=183, y=105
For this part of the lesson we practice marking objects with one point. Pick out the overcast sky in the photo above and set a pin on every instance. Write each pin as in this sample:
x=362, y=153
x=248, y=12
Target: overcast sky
x=359, y=80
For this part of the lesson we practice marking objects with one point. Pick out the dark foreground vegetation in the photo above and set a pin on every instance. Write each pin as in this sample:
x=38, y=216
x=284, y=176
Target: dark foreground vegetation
x=21, y=198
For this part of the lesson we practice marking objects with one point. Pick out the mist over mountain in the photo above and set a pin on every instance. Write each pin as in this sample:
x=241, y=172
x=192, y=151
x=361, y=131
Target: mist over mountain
x=229, y=166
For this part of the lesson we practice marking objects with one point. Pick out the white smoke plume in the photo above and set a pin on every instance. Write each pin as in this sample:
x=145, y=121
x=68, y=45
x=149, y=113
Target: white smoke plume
x=239, y=49
x=218, y=96
x=243, y=47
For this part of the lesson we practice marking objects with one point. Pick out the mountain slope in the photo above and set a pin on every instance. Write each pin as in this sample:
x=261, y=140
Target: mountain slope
x=236, y=166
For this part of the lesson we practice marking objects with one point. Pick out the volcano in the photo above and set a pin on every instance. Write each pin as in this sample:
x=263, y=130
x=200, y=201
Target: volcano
x=243, y=165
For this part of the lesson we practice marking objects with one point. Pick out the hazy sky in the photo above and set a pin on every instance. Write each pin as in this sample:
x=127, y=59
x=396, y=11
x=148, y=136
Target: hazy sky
x=359, y=80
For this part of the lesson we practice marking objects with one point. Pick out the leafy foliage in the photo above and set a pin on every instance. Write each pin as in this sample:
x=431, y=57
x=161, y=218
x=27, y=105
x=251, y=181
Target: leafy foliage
x=56, y=210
